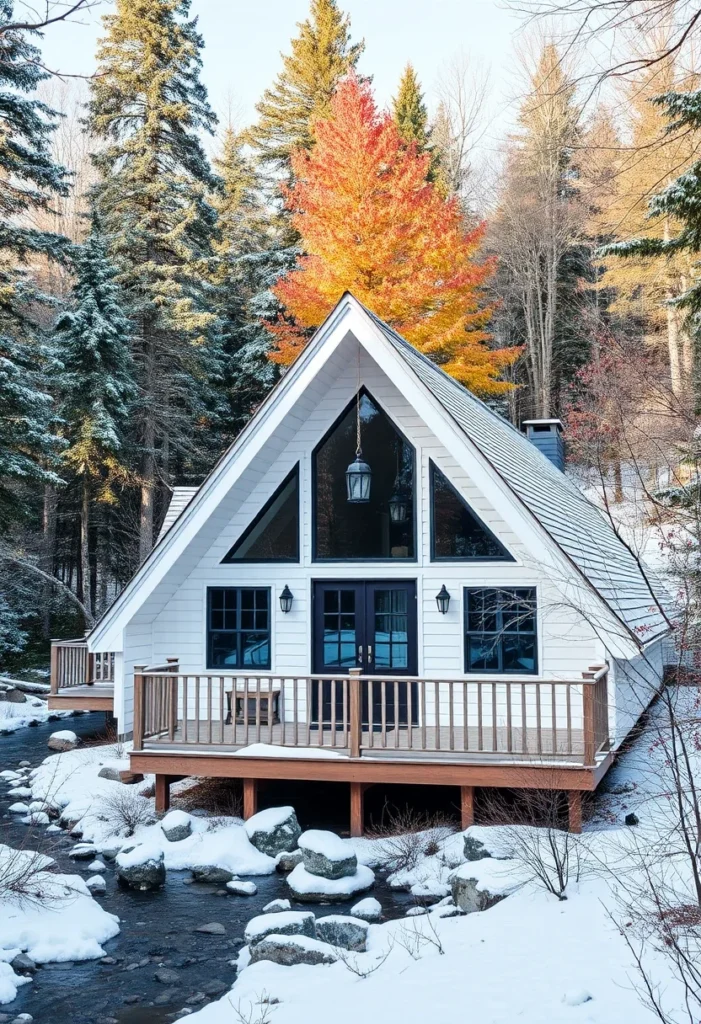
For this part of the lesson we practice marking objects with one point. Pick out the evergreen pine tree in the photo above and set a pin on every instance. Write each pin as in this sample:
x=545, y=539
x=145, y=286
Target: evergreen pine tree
x=93, y=339
x=410, y=111
x=251, y=257
x=29, y=178
x=148, y=108
x=321, y=55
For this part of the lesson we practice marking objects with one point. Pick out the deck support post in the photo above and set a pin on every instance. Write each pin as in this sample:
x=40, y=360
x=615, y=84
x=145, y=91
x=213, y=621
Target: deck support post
x=467, y=806
x=250, y=798
x=163, y=793
x=357, y=808
x=574, y=806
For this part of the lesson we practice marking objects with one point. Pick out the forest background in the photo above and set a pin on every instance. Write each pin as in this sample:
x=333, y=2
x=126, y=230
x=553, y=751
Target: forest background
x=162, y=263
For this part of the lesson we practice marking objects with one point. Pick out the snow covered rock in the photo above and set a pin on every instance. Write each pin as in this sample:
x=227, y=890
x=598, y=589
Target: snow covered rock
x=475, y=848
x=141, y=867
x=83, y=851
x=309, y=888
x=346, y=932
x=212, y=928
x=21, y=792
x=97, y=885
x=62, y=741
x=37, y=818
x=577, y=997
x=18, y=808
x=239, y=888
x=368, y=909
x=273, y=831
x=467, y=893
x=13, y=696
x=96, y=866
x=212, y=873
x=111, y=774
x=23, y=964
x=176, y=826
x=289, y=922
x=287, y=861
x=9, y=776
x=290, y=950
x=276, y=906
x=326, y=855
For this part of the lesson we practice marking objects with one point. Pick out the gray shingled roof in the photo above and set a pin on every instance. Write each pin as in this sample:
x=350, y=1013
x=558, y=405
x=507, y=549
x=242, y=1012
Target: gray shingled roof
x=577, y=526
x=180, y=498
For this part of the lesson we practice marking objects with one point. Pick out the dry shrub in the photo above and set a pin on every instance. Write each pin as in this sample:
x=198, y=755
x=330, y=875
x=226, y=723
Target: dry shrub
x=20, y=872
x=408, y=835
x=219, y=797
x=124, y=811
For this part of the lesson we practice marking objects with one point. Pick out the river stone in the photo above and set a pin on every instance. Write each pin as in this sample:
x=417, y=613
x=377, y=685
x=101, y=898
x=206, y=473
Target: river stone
x=23, y=964
x=275, y=906
x=326, y=855
x=286, y=922
x=239, y=888
x=274, y=830
x=213, y=928
x=346, y=932
x=13, y=696
x=211, y=873
x=286, y=862
x=149, y=874
x=368, y=909
x=81, y=851
x=177, y=825
x=111, y=774
x=62, y=741
x=290, y=950
x=214, y=987
x=308, y=888
x=25, y=764
x=468, y=897
x=97, y=885
x=632, y=819
x=167, y=976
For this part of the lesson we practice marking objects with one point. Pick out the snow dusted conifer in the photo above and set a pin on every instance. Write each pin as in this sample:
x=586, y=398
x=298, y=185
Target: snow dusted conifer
x=148, y=109
x=97, y=384
x=29, y=180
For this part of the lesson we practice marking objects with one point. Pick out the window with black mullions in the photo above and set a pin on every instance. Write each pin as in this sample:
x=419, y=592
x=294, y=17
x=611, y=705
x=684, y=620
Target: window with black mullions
x=238, y=627
x=500, y=630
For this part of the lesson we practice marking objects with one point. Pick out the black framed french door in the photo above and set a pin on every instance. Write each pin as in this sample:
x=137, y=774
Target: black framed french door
x=370, y=625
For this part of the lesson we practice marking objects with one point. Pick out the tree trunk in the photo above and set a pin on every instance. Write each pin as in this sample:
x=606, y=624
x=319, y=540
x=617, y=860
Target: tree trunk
x=85, y=546
x=48, y=553
x=675, y=372
x=148, y=490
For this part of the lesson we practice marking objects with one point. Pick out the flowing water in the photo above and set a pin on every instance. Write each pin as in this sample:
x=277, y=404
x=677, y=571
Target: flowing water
x=157, y=928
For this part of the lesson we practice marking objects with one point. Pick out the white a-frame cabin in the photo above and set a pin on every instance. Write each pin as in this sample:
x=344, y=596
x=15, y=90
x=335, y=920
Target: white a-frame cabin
x=446, y=609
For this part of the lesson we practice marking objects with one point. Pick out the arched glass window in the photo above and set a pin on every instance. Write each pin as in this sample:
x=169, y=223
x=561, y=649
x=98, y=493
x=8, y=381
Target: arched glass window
x=384, y=527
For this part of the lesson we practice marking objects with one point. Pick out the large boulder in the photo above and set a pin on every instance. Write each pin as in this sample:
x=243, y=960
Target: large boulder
x=283, y=922
x=468, y=895
x=346, y=932
x=326, y=855
x=308, y=888
x=62, y=741
x=140, y=867
x=177, y=825
x=13, y=696
x=290, y=950
x=273, y=831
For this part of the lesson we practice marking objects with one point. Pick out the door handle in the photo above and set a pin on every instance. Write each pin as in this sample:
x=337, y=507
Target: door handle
x=370, y=654
x=360, y=652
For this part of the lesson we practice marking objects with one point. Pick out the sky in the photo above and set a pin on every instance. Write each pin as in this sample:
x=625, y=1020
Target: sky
x=243, y=42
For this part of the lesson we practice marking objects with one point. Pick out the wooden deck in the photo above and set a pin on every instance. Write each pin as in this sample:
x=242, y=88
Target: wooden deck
x=80, y=681
x=98, y=697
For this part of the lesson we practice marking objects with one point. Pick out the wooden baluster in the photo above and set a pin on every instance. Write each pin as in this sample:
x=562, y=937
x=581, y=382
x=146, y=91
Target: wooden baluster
x=465, y=723
x=333, y=712
x=197, y=709
x=346, y=730
x=554, y=721
x=539, y=731
x=437, y=715
x=53, y=676
x=186, y=711
x=383, y=713
x=568, y=699
x=320, y=706
x=222, y=716
x=370, y=686
x=295, y=710
x=310, y=687
x=509, y=724
x=480, y=719
x=423, y=713
x=355, y=705
x=396, y=714
x=495, y=734
x=172, y=707
x=410, y=715
x=139, y=706
x=281, y=710
x=524, y=720
x=451, y=723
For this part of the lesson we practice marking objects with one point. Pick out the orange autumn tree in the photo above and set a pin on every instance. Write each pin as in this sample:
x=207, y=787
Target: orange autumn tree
x=372, y=224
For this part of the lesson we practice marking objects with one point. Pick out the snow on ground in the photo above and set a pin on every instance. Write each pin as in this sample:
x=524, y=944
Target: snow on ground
x=70, y=782
x=531, y=958
x=16, y=716
x=55, y=920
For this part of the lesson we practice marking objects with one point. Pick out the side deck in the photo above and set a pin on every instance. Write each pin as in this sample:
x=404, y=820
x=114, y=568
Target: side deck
x=368, y=729
x=80, y=681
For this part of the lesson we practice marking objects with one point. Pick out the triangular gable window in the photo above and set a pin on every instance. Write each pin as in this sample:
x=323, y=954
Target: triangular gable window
x=273, y=536
x=457, y=534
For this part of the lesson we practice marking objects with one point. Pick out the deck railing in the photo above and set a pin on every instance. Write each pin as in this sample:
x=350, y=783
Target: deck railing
x=72, y=665
x=513, y=719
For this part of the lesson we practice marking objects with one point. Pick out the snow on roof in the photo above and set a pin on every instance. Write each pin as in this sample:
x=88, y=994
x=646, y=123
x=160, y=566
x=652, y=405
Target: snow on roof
x=577, y=526
x=180, y=499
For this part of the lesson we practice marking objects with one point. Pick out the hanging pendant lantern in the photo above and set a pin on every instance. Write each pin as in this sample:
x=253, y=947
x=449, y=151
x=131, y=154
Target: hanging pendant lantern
x=358, y=474
x=398, y=506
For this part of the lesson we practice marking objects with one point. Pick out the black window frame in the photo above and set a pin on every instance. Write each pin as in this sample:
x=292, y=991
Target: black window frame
x=239, y=631
x=505, y=557
x=228, y=560
x=500, y=632
x=382, y=561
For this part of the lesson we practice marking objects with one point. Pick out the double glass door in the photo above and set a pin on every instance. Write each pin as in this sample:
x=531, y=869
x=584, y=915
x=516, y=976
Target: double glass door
x=370, y=625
